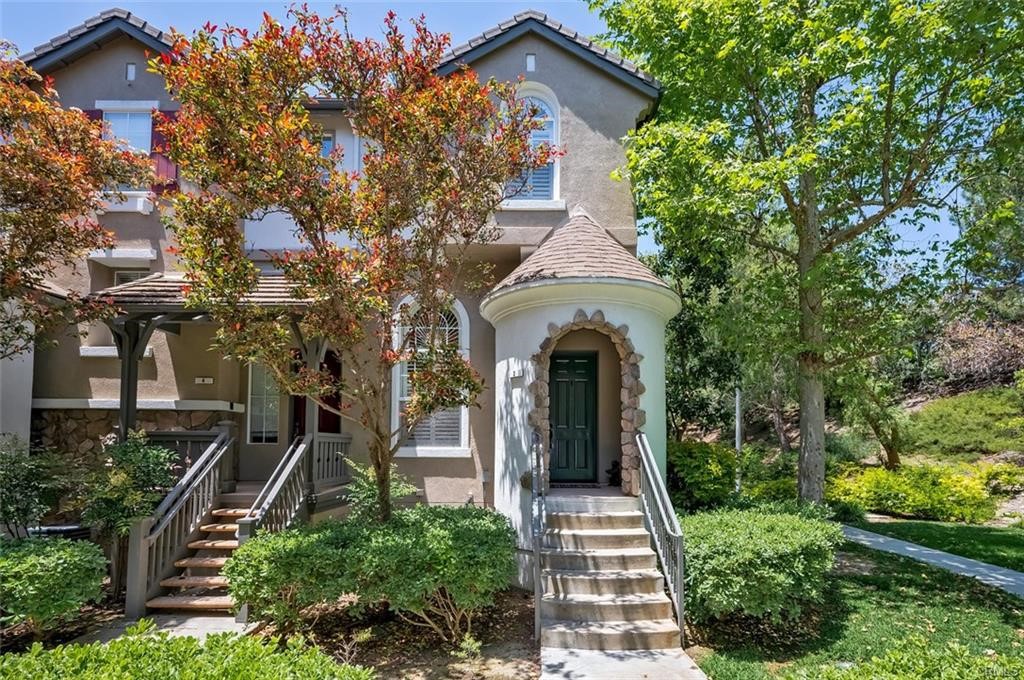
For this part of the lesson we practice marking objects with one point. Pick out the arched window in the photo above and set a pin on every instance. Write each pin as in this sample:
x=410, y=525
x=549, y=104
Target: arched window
x=540, y=184
x=445, y=433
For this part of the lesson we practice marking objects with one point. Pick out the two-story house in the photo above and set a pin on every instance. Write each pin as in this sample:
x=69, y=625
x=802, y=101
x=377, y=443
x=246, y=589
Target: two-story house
x=570, y=341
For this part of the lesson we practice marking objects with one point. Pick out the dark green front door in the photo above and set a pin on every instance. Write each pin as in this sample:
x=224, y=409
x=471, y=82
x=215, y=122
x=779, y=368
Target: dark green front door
x=573, y=384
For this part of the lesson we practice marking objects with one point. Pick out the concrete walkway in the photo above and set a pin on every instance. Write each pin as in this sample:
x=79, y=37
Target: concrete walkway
x=175, y=624
x=585, y=664
x=1005, y=579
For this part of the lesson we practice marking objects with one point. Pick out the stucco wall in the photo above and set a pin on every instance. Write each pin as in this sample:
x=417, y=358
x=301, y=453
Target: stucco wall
x=595, y=113
x=101, y=75
x=521, y=318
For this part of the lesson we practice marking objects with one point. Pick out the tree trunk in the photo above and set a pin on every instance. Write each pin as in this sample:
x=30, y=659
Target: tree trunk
x=890, y=440
x=811, y=362
x=382, y=473
x=778, y=422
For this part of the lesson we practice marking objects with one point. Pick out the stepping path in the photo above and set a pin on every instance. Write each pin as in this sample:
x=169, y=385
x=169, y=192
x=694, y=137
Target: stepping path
x=1005, y=579
x=174, y=624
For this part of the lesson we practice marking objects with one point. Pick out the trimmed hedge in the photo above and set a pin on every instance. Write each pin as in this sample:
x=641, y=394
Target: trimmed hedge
x=926, y=491
x=136, y=655
x=916, y=659
x=755, y=563
x=435, y=566
x=44, y=581
x=700, y=474
x=280, y=574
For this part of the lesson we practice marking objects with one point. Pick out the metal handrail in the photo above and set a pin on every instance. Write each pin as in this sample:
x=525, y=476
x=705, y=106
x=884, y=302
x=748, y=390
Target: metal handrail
x=186, y=480
x=539, y=523
x=296, y=452
x=663, y=524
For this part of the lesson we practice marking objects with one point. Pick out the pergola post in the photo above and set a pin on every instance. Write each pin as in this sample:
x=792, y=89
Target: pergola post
x=312, y=351
x=131, y=335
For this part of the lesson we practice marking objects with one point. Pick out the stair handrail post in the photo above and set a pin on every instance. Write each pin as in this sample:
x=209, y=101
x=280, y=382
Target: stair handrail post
x=538, y=509
x=137, y=579
x=246, y=530
x=661, y=520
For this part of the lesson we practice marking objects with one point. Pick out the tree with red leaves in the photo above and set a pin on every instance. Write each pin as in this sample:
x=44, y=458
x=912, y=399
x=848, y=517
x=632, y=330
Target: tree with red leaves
x=56, y=170
x=441, y=153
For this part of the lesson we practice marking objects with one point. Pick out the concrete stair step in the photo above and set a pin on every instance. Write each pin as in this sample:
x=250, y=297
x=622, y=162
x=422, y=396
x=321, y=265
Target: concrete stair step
x=227, y=528
x=201, y=562
x=575, y=607
x=610, y=582
x=599, y=560
x=214, y=544
x=630, y=519
x=610, y=635
x=236, y=513
x=195, y=602
x=591, y=503
x=195, y=582
x=596, y=539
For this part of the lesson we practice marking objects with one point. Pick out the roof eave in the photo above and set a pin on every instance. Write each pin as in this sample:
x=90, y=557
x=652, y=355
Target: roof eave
x=91, y=40
x=533, y=25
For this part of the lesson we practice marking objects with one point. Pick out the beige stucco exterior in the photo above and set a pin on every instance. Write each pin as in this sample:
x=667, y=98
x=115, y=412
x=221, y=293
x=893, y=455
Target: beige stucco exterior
x=595, y=111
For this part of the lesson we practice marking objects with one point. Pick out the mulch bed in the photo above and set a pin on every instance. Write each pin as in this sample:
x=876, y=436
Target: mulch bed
x=94, y=615
x=397, y=649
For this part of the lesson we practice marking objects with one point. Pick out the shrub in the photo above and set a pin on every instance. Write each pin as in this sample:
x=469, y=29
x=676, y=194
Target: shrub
x=700, y=475
x=281, y=574
x=848, y=447
x=24, y=481
x=435, y=566
x=969, y=425
x=1003, y=478
x=138, y=654
x=772, y=490
x=835, y=511
x=45, y=581
x=924, y=491
x=755, y=563
x=916, y=659
x=136, y=477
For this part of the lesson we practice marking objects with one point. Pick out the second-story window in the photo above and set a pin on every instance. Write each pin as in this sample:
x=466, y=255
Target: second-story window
x=326, y=148
x=539, y=184
x=133, y=128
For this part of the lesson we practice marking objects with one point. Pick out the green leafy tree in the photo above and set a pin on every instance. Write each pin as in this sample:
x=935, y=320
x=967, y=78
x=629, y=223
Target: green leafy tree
x=440, y=154
x=814, y=130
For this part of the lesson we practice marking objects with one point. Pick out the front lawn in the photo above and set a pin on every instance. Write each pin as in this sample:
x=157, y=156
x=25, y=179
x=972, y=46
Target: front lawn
x=874, y=601
x=1002, y=546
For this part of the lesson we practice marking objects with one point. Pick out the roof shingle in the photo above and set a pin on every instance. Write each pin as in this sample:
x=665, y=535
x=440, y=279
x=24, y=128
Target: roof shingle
x=166, y=290
x=580, y=248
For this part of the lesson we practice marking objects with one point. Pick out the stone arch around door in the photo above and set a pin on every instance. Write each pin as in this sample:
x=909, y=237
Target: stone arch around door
x=633, y=417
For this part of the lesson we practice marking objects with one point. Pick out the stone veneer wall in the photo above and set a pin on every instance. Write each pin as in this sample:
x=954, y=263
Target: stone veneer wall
x=79, y=431
x=633, y=417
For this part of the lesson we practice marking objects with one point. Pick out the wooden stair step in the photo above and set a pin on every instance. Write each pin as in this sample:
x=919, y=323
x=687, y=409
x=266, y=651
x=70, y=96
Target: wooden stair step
x=229, y=528
x=231, y=512
x=213, y=544
x=202, y=562
x=205, y=602
x=195, y=582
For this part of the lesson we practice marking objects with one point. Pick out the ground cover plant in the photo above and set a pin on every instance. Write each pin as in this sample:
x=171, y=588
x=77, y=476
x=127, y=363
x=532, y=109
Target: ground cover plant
x=872, y=602
x=1002, y=546
x=46, y=581
x=700, y=474
x=970, y=425
x=158, y=655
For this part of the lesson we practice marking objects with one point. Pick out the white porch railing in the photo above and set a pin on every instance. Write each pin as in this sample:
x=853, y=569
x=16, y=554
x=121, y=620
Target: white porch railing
x=660, y=518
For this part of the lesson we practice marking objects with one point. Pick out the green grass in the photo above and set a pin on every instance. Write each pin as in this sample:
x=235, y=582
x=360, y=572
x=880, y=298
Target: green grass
x=969, y=425
x=996, y=545
x=867, y=614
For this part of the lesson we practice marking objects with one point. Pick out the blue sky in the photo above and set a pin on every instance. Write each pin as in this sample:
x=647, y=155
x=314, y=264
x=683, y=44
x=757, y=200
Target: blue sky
x=28, y=24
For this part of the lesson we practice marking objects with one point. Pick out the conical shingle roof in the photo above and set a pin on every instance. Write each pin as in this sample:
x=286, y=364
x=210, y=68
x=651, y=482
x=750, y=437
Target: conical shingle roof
x=580, y=248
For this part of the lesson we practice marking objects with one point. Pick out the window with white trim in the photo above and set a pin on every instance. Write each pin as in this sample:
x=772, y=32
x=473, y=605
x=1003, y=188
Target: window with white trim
x=134, y=129
x=445, y=432
x=539, y=184
x=122, y=276
x=264, y=406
